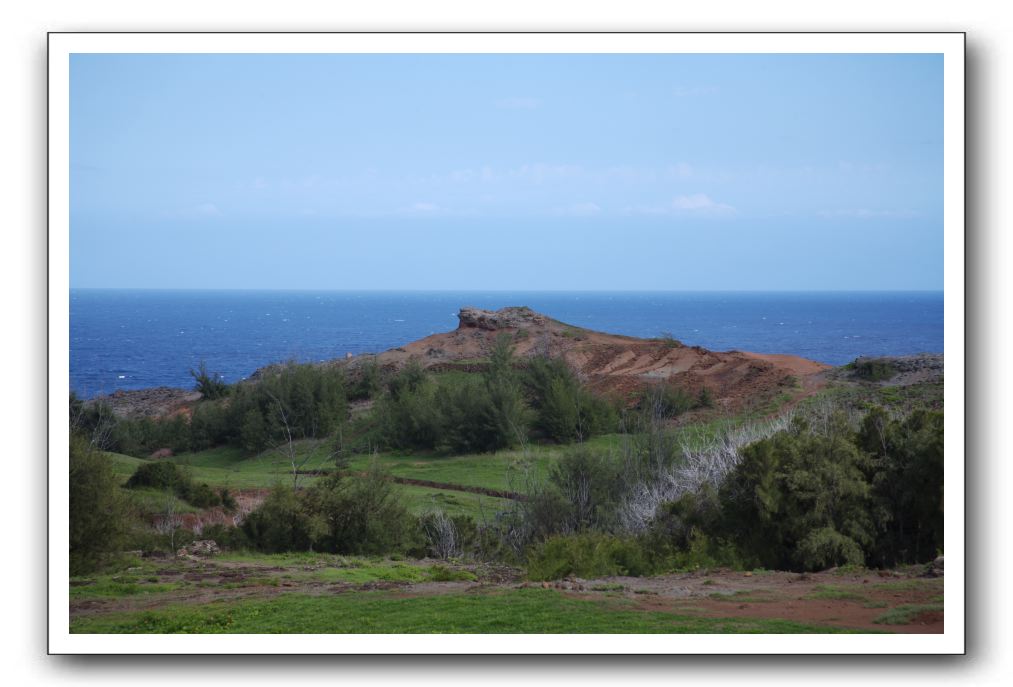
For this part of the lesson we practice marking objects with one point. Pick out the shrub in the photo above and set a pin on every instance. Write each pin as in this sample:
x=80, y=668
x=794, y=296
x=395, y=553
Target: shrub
x=99, y=515
x=362, y=516
x=564, y=409
x=873, y=369
x=800, y=501
x=907, y=483
x=209, y=426
x=705, y=398
x=199, y=495
x=227, y=537
x=661, y=401
x=228, y=500
x=93, y=421
x=140, y=437
x=467, y=418
x=253, y=434
x=668, y=340
x=408, y=415
x=158, y=475
x=368, y=383
x=591, y=484
x=446, y=536
x=169, y=476
x=506, y=416
x=280, y=523
x=306, y=401
x=586, y=555
x=210, y=385
x=827, y=547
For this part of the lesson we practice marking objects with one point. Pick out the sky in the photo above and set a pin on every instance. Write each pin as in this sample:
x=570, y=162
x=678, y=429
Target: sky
x=507, y=172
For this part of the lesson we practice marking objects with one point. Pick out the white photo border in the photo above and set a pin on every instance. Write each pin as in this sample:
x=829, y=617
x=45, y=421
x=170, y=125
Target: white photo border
x=63, y=45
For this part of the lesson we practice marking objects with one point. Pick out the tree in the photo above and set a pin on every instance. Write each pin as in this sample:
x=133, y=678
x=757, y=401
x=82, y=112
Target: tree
x=507, y=416
x=98, y=512
x=801, y=500
x=280, y=523
x=210, y=385
x=169, y=520
x=907, y=482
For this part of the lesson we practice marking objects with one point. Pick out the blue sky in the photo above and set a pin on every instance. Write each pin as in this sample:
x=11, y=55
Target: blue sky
x=563, y=172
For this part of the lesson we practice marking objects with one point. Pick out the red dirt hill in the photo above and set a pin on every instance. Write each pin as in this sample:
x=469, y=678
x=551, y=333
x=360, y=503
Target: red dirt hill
x=608, y=362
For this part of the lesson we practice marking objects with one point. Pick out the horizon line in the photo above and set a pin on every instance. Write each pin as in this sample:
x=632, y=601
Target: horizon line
x=472, y=290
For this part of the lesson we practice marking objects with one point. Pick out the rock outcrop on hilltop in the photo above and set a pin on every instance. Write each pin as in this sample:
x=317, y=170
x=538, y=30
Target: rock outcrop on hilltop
x=494, y=320
x=608, y=362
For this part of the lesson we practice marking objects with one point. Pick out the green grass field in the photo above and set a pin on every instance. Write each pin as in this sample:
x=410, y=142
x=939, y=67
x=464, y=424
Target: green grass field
x=512, y=470
x=230, y=467
x=512, y=611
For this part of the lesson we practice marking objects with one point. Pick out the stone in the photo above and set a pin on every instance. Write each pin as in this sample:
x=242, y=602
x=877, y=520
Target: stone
x=935, y=568
x=504, y=318
x=203, y=547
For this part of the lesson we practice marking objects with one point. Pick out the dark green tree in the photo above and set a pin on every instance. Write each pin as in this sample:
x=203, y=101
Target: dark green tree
x=210, y=385
x=907, y=479
x=99, y=514
x=800, y=501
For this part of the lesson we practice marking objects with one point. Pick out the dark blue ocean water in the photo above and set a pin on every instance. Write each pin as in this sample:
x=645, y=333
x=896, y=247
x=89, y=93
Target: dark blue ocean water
x=126, y=339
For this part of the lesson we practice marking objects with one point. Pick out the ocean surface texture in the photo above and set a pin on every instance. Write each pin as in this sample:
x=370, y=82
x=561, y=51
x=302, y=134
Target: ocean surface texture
x=125, y=339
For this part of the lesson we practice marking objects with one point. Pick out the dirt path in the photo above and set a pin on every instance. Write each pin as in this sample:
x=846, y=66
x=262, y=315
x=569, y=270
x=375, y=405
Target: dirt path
x=852, y=601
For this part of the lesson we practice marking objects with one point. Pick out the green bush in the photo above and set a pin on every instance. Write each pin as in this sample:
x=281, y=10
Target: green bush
x=800, y=501
x=668, y=340
x=705, y=399
x=199, y=495
x=564, y=409
x=210, y=426
x=591, y=484
x=368, y=382
x=280, y=523
x=408, y=415
x=873, y=369
x=99, y=515
x=663, y=400
x=506, y=416
x=476, y=414
x=227, y=537
x=907, y=484
x=210, y=385
x=304, y=401
x=228, y=501
x=169, y=476
x=357, y=516
x=140, y=437
x=158, y=475
x=587, y=555
x=94, y=421
x=468, y=418
x=361, y=516
x=825, y=547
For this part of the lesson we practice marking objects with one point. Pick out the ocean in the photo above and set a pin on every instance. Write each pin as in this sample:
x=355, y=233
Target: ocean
x=132, y=339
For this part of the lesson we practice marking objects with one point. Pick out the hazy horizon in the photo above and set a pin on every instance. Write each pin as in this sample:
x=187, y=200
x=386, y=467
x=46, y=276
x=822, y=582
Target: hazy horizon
x=507, y=172
x=462, y=290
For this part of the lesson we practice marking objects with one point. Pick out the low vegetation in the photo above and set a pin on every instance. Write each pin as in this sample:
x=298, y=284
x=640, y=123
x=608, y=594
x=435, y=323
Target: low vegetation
x=515, y=464
x=514, y=611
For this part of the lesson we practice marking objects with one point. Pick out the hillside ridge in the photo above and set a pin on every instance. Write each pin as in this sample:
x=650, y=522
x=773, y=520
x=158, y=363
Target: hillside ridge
x=611, y=363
